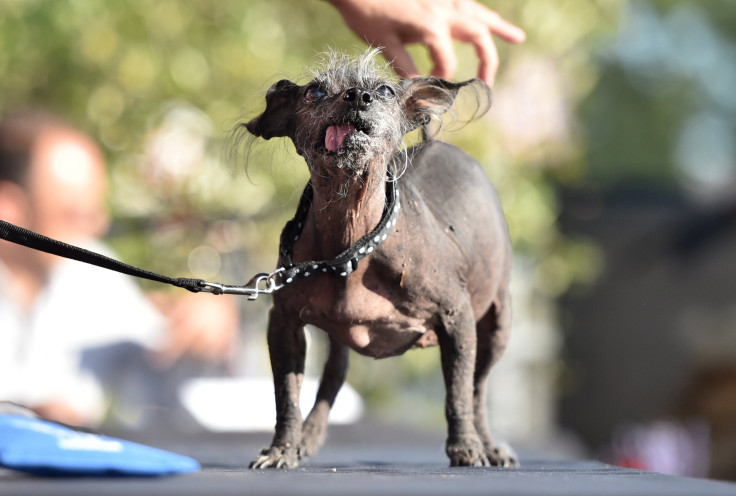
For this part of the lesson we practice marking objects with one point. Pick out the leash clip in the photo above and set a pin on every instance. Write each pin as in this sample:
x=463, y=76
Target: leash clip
x=271, y=280
x=262, y=283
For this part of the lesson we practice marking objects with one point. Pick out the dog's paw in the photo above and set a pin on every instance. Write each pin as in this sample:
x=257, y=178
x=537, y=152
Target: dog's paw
x=314, y=433
x=276, y=457
x=467, y=451
x=307, y=449
x=310, y=444
x=502, y=455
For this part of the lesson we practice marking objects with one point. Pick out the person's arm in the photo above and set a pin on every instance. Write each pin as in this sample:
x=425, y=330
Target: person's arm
x=393, y=24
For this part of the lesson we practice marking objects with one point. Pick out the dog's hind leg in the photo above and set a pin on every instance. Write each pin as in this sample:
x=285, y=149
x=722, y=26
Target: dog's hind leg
x=314, y=429
x=457, y=340
x=493, y=332
x=287, y=349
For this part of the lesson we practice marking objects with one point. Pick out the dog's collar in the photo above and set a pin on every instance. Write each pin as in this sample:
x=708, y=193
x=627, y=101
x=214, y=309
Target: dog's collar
x=347, y=261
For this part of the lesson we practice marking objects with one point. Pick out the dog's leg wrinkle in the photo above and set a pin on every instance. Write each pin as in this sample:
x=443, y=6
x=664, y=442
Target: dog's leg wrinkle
x=314, y=429
x=287, y=349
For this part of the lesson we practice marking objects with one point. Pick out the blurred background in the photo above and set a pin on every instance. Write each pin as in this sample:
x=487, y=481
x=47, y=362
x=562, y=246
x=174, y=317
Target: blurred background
x=611, y=142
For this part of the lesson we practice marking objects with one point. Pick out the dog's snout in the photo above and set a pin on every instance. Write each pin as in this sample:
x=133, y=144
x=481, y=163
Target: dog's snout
x=358, y=98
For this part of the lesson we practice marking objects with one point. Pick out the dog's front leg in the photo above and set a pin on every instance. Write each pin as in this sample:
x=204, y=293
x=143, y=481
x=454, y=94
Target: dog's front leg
x=458, y=344
x=314, y=430
x=287, y=349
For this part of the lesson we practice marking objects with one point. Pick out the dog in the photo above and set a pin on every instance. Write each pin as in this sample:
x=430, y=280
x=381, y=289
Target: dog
x=412, y=245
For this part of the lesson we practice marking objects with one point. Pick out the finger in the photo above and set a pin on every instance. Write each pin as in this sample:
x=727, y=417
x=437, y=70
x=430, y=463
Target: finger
x=488, y=57
x=498, y=25
x=507, y=31
x=481, y=39
x=396, y=55
x=442, y=54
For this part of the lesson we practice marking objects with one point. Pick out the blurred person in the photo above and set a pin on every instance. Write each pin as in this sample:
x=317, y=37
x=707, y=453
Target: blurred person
x=73, y=335
x=434, y=23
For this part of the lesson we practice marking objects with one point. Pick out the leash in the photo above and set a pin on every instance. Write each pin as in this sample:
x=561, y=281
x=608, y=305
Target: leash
x=15, y=234
x=263, y=283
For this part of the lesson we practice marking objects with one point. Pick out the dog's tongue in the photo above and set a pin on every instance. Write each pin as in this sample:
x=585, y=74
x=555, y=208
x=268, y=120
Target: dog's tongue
x=335, y=135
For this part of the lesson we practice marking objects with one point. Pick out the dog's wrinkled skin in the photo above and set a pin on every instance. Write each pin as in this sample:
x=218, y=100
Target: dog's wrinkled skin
x=441, y=278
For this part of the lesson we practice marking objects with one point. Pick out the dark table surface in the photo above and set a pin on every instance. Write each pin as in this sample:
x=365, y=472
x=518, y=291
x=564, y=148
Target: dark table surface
x=365, y=459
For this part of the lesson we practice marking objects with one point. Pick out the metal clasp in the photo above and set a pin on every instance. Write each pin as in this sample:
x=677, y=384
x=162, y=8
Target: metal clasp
x=262, y=283
x=212, y=287
x=271, y=279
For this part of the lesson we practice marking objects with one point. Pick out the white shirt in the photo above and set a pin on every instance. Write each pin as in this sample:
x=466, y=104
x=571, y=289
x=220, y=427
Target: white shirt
x=81, y=308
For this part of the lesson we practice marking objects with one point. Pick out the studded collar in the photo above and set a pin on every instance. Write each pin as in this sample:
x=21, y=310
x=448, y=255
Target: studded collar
x=347, y=261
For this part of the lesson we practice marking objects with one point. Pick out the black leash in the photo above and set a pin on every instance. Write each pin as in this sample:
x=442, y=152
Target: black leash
x=15, y=234
x=342, y=265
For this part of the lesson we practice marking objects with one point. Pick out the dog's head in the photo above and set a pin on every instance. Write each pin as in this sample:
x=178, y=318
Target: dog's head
x=351, y=117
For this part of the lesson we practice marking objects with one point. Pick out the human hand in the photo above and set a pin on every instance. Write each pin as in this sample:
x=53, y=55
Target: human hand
x=200, y=325
x=434, y=23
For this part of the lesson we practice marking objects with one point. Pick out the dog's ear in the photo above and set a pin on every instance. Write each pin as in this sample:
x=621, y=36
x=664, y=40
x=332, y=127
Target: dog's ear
x=278, y=118
x=427, y=98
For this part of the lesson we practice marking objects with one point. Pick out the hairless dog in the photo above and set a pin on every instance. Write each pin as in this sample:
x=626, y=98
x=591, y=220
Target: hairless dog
x=391, y=249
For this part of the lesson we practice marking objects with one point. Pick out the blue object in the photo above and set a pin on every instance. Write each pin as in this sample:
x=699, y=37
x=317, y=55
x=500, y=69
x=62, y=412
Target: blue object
x=44, y=448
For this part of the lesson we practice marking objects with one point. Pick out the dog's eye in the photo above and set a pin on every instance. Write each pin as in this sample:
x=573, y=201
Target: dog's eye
x=385, y=91
x=314, y=94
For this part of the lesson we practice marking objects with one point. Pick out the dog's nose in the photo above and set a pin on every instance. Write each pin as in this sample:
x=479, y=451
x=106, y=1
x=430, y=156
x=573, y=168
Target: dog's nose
x=358, y=98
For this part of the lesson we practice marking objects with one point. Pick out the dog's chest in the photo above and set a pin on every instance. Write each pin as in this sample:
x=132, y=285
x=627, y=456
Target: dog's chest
x=370, y=322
